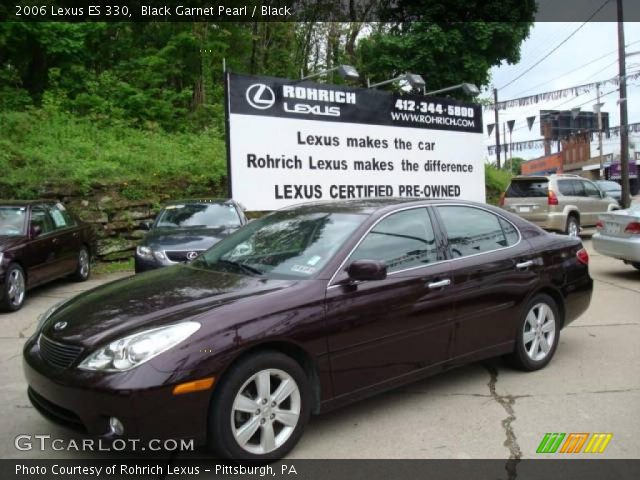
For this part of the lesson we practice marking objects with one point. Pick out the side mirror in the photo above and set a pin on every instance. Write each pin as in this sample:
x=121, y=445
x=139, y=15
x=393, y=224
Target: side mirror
x=364, y=270
x=36, y=231
x=146, y=225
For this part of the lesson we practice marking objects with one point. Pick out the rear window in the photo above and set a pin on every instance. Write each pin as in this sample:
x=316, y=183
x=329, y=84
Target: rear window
x=528, y=188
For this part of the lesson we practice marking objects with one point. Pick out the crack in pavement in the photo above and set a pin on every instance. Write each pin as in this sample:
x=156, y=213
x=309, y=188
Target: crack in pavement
x=506, y=402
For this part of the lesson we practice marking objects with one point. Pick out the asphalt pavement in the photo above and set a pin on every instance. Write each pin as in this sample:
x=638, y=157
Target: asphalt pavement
x=485, y=410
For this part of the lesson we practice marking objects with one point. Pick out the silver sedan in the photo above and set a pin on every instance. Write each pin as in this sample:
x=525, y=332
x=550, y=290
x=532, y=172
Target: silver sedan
x=619, y=235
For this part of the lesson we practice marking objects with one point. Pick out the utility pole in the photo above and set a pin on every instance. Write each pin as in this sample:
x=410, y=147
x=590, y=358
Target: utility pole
x=497, y=120
x=504, y=134
x=624, y=134
x=599, y=107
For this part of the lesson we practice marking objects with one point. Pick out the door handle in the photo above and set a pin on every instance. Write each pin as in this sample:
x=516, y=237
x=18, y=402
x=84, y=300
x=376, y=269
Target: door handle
x=523, y=265
x=442, y=283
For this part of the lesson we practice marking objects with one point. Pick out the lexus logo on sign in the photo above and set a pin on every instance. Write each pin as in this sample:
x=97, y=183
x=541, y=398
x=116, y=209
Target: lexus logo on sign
x=260, y=96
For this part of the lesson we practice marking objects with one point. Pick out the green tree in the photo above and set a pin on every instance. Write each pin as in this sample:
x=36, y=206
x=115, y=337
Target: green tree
x=428, y=38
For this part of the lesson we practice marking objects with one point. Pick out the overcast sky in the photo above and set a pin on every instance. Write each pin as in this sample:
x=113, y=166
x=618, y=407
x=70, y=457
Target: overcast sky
x=574, y=63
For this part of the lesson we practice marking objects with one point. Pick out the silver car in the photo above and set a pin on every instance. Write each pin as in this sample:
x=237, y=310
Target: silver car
x=619, y=235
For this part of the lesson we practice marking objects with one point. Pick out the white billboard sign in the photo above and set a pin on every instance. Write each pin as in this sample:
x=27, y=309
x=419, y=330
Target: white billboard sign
x=297, y=141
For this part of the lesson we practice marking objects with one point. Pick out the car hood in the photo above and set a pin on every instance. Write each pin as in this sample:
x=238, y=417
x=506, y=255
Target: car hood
x=150, y=300
x=9, y=241
x=182, y=239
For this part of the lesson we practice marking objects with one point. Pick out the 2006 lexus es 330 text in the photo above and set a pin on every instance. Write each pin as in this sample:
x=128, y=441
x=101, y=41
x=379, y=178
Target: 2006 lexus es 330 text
x=301, y=311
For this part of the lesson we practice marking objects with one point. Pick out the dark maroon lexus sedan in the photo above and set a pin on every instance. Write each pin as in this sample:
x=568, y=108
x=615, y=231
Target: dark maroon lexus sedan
x=40, y=241
x=302, y=311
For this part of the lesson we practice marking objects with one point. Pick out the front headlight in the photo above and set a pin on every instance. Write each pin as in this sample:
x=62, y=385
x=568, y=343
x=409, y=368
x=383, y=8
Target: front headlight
x=144, y=252
x=1, y=257
x=131, y=351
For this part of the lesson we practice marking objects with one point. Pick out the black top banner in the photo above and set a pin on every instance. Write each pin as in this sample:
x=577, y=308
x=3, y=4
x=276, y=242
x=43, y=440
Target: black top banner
x=437, y=11
x=305, y=100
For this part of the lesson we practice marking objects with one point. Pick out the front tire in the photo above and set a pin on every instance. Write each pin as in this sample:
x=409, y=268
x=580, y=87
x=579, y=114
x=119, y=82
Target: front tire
x=260, y=408
x=15, y=289
x=636, y=265
x=83, y=269
x=538, y=334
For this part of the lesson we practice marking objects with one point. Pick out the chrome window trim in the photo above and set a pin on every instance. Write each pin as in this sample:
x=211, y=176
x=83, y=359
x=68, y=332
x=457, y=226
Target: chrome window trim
x=331, y=285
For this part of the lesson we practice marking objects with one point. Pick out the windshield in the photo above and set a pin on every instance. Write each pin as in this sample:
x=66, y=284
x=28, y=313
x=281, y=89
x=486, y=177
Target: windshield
x=285, y=244
x=12, y=220
x=198, y=215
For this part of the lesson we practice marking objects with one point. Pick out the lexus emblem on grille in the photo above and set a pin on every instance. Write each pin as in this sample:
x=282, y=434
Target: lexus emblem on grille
x=192, y=255
x=60, y=326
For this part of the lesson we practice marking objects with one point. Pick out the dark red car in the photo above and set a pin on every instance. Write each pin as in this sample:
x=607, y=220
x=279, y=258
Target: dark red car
x=302, y=311
x=40, y=241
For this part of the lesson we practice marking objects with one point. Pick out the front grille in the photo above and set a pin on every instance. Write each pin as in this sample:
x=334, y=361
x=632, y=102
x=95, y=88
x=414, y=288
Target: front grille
x=180, y=256
x=54, y=412
x=58, y=354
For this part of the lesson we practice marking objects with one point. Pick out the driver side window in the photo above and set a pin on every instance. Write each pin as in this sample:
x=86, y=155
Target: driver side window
x=402, y=240
x=41, y=218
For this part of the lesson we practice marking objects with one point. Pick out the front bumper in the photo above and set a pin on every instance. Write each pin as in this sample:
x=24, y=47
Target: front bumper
x=145, y=265
x=621, y=248
x=141, y=399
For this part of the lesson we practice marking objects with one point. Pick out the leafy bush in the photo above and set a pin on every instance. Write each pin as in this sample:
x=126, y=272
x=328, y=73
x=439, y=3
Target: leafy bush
x=46, y=147
x=496, y=181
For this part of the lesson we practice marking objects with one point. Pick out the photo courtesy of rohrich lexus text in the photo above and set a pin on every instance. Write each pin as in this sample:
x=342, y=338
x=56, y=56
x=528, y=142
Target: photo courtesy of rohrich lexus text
x=320, y=239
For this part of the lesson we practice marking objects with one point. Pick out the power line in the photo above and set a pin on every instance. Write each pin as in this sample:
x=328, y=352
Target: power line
x=555, y=48
x=580, y=67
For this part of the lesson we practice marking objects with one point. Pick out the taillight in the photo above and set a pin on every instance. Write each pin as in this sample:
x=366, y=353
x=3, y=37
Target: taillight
x=582, y=256
x=633, y=228
x=501, y=202
x=599, y=225
x=552, y=198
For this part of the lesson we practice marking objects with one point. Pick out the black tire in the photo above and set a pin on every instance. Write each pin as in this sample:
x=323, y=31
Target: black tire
x=83, y=270
x=520, y=358
x=572, y=220
x=9, y=302
x=221, y=436
x=636, y=265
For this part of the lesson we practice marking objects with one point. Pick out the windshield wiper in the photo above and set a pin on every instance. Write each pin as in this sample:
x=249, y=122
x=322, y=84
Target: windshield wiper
x=241, y=266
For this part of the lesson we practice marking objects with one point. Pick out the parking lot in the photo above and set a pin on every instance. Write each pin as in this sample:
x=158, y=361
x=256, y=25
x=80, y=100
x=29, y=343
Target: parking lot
x=484, y=410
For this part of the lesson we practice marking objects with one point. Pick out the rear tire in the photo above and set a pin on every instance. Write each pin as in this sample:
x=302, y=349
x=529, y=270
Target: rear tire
x=573, y=226
x=636, y=265
x=14, y=289
x=259, y=408
x=83, y=270
x=538, y=334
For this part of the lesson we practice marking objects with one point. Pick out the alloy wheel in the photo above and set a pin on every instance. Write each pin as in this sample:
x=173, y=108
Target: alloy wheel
x=16, y=289
x=83, y=260
x=539, y=332
x=573, y=230
x=265, y=411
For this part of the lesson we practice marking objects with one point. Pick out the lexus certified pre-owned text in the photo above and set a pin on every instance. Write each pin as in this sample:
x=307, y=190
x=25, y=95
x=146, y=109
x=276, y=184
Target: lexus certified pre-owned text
x=304, y=310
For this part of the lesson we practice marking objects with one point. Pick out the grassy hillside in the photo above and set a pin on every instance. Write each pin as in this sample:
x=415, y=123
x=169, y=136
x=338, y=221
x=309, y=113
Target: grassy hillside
x=44, y=148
